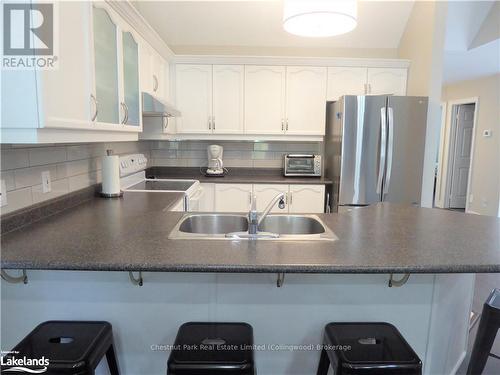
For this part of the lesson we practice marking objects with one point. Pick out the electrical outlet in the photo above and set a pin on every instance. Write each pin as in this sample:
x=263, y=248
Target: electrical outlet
x=46, y=185
x=3, y=194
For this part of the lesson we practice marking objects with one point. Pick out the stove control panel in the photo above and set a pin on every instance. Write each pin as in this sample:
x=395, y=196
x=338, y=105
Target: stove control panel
x=134, y=163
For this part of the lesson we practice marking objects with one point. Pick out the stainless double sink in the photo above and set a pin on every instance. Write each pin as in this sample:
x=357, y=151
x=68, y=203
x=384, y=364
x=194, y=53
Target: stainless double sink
x=235, y=227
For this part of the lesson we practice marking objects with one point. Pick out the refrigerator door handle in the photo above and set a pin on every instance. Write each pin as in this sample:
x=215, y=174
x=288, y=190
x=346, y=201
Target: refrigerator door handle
x=390, y=149
x=383, y=147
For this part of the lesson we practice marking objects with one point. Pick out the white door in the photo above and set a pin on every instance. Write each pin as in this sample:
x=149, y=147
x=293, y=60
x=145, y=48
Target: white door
x=232, y=197
x=387, y=81
x=265, y=194
x=307, y=198
x=346, y=81
x=194, y=98
x=305, y=100
x=228, y=99
x=461, y=155
x=264, y=99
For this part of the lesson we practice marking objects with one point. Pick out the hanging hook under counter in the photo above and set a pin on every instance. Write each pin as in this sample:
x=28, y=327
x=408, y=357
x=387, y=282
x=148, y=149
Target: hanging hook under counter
x=280, y=280
x=397, y=283
x=136, y=281
x=15, y=279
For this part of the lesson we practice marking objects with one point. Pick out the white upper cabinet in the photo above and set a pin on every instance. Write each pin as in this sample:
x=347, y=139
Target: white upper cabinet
x=228, y=91
x=131, y=91
x=390, y=81
x=265, y=99
x=265, y=194
x=305, y=100
x=160, y=77
x=79, y=101
x=306, y=198
x=194, y=98
x=346, y=81
x=107, y=90
x=232, y=197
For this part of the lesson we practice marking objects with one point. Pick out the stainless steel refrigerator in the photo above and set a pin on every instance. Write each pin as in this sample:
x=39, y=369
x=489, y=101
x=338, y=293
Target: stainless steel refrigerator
x=374, y=149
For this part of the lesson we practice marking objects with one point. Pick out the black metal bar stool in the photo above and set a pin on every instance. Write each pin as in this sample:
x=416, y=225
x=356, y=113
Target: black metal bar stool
x=71, y=347
x=367, y=349
x=486, y=333
x=212, y=349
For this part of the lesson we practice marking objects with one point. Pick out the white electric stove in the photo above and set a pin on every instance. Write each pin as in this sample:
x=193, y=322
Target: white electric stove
x=133, y=179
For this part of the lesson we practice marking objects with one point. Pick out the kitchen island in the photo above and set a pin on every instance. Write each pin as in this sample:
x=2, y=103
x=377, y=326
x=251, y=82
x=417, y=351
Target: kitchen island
x=224, y=280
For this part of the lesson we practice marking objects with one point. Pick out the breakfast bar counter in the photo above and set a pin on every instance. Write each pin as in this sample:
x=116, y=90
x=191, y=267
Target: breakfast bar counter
x=132, y=234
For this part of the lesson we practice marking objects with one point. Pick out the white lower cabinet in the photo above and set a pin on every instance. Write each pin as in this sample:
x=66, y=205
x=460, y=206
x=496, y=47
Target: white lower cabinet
x=306, y=199
x=178, y=207
x=265, y=193
x=236, y=197
x=232, y=197
x=207, y=201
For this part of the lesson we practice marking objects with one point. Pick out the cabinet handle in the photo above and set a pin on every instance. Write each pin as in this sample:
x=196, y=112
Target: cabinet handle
x=165, y=122
x=209, y=123
x=366, y=88
x=213, y=122
x=282, y=125
x=249, y=198
x=155, y=83
x=291, y=198
x=369, y=88
x=122, y=104
x=126, y=112
x=96, y=106
x=286, y=124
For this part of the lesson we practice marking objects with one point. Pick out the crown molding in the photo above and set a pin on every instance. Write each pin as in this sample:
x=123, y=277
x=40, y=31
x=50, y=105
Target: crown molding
x=132, y=16
x=305, y=61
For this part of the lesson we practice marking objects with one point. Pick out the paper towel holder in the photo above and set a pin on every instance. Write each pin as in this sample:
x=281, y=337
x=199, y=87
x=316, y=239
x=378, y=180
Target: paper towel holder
x=109, y=152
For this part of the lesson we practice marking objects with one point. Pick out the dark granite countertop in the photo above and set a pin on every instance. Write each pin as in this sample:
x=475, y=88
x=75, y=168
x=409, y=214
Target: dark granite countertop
x=236, y=176
x=131, y=234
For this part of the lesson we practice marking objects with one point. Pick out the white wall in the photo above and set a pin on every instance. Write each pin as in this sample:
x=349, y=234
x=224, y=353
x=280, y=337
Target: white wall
x=485, y=171
x=423, y=43
x=293, y=314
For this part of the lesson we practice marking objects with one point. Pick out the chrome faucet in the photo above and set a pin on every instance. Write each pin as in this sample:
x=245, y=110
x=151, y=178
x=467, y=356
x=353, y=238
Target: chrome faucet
x=254, y=219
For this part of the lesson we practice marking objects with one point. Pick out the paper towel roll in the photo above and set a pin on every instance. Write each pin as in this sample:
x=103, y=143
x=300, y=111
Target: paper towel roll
x=111, y=176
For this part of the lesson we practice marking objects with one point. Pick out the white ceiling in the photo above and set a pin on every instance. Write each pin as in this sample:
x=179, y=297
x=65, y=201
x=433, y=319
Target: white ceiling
x=461, y=61
x=201, y=24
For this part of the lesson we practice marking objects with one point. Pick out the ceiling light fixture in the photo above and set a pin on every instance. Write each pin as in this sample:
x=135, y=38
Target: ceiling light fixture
x=319, y=18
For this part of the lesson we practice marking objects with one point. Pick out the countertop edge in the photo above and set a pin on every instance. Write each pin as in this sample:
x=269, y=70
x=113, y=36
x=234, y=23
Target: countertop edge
x=313, y=269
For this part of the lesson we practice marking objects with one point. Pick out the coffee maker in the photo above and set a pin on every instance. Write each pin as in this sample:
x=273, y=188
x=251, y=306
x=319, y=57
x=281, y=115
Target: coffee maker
x=215, y=165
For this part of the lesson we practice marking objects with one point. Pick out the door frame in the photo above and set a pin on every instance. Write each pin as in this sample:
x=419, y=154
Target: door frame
x=446, y=149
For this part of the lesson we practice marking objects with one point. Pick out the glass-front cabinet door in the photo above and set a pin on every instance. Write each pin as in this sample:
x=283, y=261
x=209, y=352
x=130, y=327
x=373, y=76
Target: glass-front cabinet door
x=107, y=93
x=131, y=100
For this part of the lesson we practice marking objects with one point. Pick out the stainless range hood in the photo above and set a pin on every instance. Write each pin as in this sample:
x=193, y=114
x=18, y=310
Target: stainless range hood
x=154, y=107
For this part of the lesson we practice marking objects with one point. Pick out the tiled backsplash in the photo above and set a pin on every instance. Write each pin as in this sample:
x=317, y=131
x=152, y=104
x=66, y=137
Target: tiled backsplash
x=236, y=154
x=76, y=166
x=71, y=167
